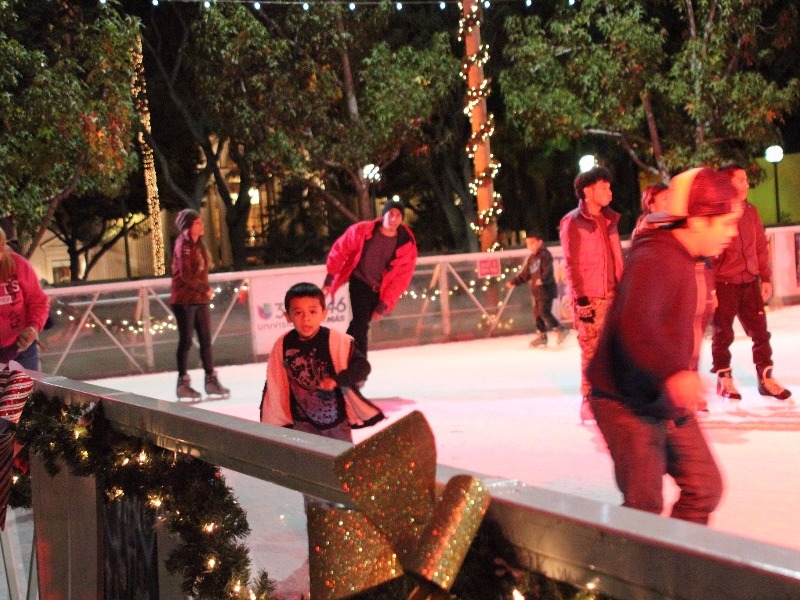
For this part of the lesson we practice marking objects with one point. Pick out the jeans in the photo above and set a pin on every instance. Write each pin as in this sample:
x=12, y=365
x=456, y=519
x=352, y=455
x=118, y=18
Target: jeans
x=644, y=449
x=363, y=302
x=29, y=358
x=191, y=318
x=741, y=300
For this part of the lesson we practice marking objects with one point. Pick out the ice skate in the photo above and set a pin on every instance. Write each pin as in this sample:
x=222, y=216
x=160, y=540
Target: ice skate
x=185, y=390
x=587, y=416
x=726, y=388
x=539, y=341
x=561, y=333
x=767, y=386
x=214, y=389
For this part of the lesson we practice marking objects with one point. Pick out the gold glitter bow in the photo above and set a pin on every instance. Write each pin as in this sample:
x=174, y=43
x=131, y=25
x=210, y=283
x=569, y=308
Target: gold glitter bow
x=398, y=526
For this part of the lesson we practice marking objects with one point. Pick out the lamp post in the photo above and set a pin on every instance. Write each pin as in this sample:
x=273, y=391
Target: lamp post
x=372, y=174
x=774, y=154
x=587, y=163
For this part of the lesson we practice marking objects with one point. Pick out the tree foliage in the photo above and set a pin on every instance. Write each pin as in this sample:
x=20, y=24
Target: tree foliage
x=66, y=113
x=675, y=83
x=316, y=95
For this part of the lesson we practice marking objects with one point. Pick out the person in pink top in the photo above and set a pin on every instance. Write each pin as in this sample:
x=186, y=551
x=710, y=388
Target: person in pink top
x=24, y=308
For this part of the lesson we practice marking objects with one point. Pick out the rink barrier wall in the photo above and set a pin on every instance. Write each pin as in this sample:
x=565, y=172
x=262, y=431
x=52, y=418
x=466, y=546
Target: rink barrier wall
x=620, y=552
x=451, y=298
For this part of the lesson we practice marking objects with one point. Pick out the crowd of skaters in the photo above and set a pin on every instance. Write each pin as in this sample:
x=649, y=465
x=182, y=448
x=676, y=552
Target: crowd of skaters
x=698, y=255
x=639, y=321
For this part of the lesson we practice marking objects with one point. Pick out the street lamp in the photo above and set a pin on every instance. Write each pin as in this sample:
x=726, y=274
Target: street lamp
x=774, y=154
x=587, y=163
x=372, y=174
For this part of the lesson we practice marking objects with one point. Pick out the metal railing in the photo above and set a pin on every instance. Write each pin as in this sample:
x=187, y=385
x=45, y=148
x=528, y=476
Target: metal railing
x=124, y=328
x=620, y=552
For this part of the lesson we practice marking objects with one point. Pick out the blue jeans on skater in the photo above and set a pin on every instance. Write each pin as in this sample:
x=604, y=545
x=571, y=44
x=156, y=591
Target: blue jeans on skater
x=29, y=358
x=645, y=448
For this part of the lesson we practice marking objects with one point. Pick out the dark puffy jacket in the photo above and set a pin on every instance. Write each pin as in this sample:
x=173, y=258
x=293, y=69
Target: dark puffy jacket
x=190, y=264
x=585, y=253
x=655, y=325
x=747, y=257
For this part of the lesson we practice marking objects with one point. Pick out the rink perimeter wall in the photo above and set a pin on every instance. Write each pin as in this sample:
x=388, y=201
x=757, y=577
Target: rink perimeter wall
x=619, y=552
x=127, y=327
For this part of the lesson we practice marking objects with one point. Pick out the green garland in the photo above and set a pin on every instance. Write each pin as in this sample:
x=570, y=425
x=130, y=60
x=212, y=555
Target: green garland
x=193, y=500
x=189, y=495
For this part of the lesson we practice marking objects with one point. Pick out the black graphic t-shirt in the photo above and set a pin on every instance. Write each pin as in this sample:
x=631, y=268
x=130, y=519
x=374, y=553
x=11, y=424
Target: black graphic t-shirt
x=308, y=362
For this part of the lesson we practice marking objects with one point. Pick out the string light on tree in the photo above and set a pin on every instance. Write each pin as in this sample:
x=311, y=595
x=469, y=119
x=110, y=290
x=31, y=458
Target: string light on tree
x=138, y=91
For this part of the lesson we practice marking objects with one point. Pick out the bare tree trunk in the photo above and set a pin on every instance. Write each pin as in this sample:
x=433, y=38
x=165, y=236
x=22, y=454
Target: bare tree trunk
x=52, y=205
x=361, y=184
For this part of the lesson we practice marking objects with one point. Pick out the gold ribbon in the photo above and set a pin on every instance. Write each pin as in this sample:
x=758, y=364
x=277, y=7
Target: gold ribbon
x=399, y=526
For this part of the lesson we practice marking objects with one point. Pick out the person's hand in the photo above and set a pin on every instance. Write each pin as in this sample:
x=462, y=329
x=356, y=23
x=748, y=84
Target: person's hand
x=509, y=285
x=326, y=289
x=26, y=337
x=327, y=384
x=766, y=290
x=584, y=310
x=686, y=389
x=376, y=316
x=538, y=282
x=210, y=294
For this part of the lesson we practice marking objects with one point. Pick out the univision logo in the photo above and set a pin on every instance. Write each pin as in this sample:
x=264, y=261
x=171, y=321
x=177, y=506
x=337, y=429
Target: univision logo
x=266, y=312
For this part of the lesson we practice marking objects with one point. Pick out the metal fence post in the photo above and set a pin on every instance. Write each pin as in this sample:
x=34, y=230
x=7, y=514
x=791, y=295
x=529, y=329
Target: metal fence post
x=68, y=534
x=444, y=297
x=144, y=299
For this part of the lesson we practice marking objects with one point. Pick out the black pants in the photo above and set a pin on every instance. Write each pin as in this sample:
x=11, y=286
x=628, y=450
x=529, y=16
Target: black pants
x=193, y=317
x=741, y=300
x=542, y=298
x=363, y=302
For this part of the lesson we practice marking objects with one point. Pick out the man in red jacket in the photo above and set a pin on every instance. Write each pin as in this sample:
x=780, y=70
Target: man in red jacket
x=593, y=263
x=743, y=284
x=377, y=258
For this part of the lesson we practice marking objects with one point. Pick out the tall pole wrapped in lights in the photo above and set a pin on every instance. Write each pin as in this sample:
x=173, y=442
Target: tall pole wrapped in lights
x=139, y=93
x=485, y=166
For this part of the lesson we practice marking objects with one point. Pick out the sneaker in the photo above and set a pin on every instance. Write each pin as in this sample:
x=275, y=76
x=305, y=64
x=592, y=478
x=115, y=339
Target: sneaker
x=767, y=386
x=185, y=390
x=726, y=388
x=562, y=334
x=539, y=340
x=214, y=388
x=586, y=411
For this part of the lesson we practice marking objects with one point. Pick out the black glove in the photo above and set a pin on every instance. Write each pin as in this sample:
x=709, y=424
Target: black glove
x=584, y=310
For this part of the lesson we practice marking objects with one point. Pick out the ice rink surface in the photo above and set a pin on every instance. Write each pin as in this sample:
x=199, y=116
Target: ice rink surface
x=500, y=408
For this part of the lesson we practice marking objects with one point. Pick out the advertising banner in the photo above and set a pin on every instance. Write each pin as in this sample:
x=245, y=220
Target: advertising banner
x=267, y=317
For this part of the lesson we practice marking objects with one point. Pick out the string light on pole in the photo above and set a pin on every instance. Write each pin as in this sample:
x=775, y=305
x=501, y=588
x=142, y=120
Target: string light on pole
x=485, y=166
x=138, y=91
